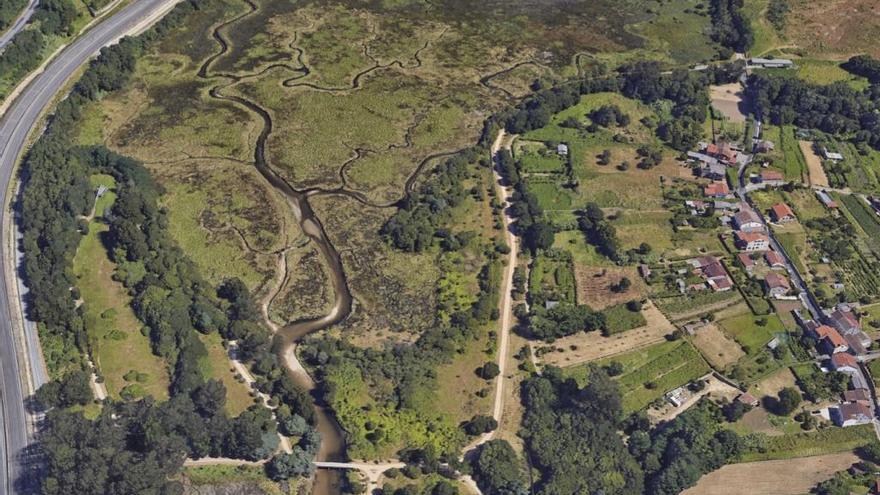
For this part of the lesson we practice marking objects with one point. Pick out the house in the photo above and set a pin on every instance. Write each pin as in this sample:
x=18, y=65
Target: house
x=697, y=207
x=711, y=270
x=764, y=146
x=771, y=63
x=774, y=259
x=830, y=340
x=723, y=152
x=644, y=271
x=826, y=199
x=844, y=321
x=831, y=155
x=856, y=344
x=771, y=177
x=851, y=414
x=747, y=398
x=562, y=150
x=720, y=284
x=776, y=285
x=844, y=362
x=781, y=213
x=746, y=260
x=746, y=220
x=751, y=241
x=716, y=190
x=857, y=395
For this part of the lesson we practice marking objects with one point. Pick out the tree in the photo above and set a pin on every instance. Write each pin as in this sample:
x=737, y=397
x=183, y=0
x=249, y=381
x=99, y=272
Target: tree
x=480, y=424
x=539, y=235
x=286, y=466
x=497, y=471
x=489, y=371
x=444, y=487
x=789, y=400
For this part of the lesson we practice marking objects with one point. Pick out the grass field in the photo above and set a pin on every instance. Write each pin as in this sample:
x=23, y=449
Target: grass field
x=118, y=346
x=217, y=366
x=719, y=349
x=253, y=477
x=749, y=332
x=825, y=441
x=651, y=372
x=620, y=319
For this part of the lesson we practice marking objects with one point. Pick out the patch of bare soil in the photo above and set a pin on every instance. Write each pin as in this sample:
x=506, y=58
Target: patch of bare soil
x=728, y=99
x=814, y=165
x=782, y=477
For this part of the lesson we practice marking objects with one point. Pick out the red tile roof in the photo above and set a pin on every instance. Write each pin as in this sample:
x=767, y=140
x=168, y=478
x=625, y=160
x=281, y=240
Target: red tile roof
x=833, y=336
x=716, y=189
x=780, y=211
x=751, y=237
x=842, y=359
x=776, y=281
x=772, y=175
x=774, y=259
x=746, y=260
x=856, y=395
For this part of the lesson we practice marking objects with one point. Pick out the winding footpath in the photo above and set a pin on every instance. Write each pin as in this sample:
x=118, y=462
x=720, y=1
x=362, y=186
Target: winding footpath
x=21, y=363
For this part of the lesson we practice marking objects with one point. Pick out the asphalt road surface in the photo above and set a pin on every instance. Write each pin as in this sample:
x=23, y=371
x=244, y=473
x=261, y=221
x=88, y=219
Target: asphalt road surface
x=16, y=470
x=19, y=23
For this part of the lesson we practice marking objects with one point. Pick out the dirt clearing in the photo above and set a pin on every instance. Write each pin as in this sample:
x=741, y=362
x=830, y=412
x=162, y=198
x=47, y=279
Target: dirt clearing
x=814, y=165
x=594, y=285
x=716, y=347
x=728, y=99
x=590, y=346
x=783, y=477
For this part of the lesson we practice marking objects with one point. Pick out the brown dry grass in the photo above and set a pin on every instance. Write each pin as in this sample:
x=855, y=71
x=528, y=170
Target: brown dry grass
x=814, y=165
x=783, y=477
x=591, y=346
x=835, y=28
x=594, y=285
x=716, y=347
x=773, y=383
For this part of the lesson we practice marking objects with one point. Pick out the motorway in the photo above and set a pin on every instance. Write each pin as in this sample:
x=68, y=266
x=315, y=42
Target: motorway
x=21, y=117
x=19, y=23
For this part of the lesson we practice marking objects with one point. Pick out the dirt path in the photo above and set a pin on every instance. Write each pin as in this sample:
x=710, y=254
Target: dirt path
x=814, y=165
x=782, y=477
x=506, y=298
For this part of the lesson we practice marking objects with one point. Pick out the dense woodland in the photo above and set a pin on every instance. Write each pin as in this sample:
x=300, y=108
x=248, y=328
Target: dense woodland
x=730, y=26
x=9, y=11
x=836, y=108
x=24, y=52
x=149, y=440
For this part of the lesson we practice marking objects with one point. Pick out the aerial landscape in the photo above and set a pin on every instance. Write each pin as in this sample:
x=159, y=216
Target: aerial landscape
x=440, y=247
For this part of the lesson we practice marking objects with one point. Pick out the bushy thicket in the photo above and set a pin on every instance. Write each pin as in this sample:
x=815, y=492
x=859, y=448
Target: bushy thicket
x=730, y=26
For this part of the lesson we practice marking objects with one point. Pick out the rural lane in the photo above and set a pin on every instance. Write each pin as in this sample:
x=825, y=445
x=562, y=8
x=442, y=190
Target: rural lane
x=21, y=368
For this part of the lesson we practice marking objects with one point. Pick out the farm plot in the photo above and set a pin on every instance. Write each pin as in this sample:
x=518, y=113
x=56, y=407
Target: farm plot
x=780, y=477
x=643, y=381
x=814, y=165
x=719, y=349
x=594, y=285
x=586, y=347
x=551, y=278
x=729, y=100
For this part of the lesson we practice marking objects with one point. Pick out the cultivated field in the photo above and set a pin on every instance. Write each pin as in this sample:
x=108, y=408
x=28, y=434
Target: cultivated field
x=782, y=477
x=594, y=285
x=592, y=346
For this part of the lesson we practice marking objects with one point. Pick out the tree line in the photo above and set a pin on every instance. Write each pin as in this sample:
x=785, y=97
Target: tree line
x=149, y=440
x=25, y=51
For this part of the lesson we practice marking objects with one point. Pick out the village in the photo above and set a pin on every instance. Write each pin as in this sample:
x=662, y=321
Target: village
x=839, y=343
